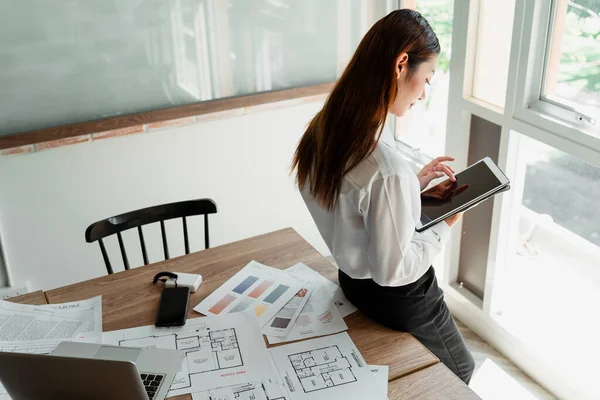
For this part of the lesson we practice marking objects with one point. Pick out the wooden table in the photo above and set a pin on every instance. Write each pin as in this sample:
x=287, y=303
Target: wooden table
x=35, y=298
x=433, y=383
x=129, y=299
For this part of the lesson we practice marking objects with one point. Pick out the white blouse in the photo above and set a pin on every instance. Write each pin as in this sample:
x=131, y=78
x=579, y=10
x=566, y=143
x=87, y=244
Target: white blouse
x=371, y=232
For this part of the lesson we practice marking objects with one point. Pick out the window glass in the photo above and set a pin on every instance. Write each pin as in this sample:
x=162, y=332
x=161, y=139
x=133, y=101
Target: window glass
x=424, y=127
x=492, y=51
x=62, y=65
x=563, y=187
x=554, y=273
x=573, y=65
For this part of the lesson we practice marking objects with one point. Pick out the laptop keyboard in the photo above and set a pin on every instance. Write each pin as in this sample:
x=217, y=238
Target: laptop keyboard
x=152, y=383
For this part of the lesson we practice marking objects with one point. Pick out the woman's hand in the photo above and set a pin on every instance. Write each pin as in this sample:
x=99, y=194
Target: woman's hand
x=453, y=219
x=435, y=169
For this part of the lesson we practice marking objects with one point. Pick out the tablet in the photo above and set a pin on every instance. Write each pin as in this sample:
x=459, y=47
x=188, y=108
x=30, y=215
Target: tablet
x=475, y=184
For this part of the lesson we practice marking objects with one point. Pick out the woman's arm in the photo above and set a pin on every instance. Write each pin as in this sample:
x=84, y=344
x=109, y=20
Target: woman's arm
x=397, y=253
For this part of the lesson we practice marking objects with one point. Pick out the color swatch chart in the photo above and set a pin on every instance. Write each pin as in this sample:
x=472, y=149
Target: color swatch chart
x=256, y=287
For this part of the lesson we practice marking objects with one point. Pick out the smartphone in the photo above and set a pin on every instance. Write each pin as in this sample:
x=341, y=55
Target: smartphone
x=172, y=308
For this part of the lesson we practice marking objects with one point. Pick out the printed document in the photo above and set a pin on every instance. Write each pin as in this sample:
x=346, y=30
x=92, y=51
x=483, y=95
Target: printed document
x=319, y=316
x=283, y=322
x=325, y=368
x=380, y=372
x=37, y=329
x=219, y=351
x=341, y=302
x=263, y=290
x=267, y=389
x=66, y=321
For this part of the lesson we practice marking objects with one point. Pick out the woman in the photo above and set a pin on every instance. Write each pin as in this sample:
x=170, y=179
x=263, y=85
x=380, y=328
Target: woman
x=365, y=199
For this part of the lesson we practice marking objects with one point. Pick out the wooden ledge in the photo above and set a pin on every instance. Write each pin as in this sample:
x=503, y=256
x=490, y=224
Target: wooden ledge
x=125, y=124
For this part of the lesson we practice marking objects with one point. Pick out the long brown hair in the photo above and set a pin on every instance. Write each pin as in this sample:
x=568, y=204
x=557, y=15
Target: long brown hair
x=349, y=125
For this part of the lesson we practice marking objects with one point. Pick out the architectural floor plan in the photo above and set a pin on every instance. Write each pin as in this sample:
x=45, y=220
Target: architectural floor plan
x=219, y=352
x=268, y=390
x=322, y=368
x=326, y=368
x=205, y=351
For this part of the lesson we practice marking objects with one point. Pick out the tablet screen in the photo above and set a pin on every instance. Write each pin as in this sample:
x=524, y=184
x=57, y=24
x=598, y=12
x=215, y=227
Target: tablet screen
x=447, y=196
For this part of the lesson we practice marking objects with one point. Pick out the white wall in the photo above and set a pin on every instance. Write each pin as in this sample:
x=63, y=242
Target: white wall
x=48, y=199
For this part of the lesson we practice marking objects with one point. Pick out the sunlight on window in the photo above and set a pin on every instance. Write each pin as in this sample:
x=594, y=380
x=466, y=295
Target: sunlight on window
x=573, y=72
x=564, y=187
x=553, y=273
x=492, y=51
x=424, y=127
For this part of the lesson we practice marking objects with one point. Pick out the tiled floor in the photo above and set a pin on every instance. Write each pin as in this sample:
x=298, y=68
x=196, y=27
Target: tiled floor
x=495, y=376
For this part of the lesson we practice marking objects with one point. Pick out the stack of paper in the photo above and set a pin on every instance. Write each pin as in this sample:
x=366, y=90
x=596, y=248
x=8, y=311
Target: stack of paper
x=220, y=352
x=294, y=304
x=283, y=322
x=226, y=357
x=320, y=315
x=261, y=289
x=321, y=369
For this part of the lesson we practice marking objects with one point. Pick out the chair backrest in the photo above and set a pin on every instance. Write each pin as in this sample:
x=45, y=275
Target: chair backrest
x=136, y=219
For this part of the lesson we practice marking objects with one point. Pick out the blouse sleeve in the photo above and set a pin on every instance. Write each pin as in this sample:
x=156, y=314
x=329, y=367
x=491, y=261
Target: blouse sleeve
x=398, y=255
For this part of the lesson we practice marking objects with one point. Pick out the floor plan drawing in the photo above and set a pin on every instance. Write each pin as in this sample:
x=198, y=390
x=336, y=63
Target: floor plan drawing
x=322, y=368
x=256, y=391
x=268, y=390
x=205, y=351
x=219, y=352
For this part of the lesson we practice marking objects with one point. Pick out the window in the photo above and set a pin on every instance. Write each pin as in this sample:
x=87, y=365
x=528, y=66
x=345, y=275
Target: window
x=61, y=65
x=538, y=270
x=492, y=51
x=553, y=273
x=558, y=72
x=563, y=187
x=423, y=129
x=573, y=64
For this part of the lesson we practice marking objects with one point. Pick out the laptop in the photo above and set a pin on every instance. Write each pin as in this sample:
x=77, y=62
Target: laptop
x=90, y=371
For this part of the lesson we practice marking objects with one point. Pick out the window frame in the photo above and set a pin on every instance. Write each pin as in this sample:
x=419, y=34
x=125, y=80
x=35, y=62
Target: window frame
x=534, y=23
x=527, y=60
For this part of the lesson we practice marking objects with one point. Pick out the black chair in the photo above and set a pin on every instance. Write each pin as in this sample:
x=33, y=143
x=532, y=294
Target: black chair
x=136, y=219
